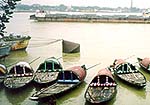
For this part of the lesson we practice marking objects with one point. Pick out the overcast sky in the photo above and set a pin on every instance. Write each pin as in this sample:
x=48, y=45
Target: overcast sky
x=101, y=3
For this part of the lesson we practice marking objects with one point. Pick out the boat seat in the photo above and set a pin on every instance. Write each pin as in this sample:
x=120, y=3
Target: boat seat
x=102, y=84
x=68, y=81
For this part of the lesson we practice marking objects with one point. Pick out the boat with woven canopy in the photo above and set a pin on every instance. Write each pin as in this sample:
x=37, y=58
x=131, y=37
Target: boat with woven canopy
x=128, y=73
x=144, y=63
x=66, y=80
x=102, y=88
x=19, y=75
x=47, y=71
x=18, y=42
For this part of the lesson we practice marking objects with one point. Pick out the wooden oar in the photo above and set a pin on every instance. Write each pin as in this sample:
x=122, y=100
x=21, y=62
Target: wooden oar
x=129, y=57
x=7, y=66
x=34, y=60
x=18, y=61
x=93, y=66
x=56, y=58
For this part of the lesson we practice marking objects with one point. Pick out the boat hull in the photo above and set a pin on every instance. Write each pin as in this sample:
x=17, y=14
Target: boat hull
x=66, y=81
x=45, y=77
x=102, y=88
x=47, y=71
x=19, y=44
x=129, y=73
x=127, y=78
x=57, y=89
x=17, y=82
x=19, y=76
x=4, y=51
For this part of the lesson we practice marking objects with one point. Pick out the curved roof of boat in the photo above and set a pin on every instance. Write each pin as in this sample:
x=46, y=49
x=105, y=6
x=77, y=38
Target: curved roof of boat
x=106, y=72
x=3, y=69
x=145, y=62
x=22, y=63
x=79, y=71
x=52, y=59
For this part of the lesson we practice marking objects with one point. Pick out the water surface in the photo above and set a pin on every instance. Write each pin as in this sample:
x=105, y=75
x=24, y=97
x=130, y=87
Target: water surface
x=100, y=42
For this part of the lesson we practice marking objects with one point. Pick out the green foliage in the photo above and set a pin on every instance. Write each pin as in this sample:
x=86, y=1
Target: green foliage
x=6, y=11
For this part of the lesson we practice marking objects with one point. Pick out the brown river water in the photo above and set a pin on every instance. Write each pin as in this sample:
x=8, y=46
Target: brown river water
x=99, y=42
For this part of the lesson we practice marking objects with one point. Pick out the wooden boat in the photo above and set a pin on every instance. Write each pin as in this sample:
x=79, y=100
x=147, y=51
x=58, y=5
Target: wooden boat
x=48, y=71
x=144, y=63
x=67, y=80
x=4, y=49
x=19, y=75
x=18, y=42
x=129, y=73
x=102, y=88
x=3, y=73
x=70, y=47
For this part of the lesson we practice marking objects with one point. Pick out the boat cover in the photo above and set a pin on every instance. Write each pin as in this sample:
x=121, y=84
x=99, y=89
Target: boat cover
x=145, y=62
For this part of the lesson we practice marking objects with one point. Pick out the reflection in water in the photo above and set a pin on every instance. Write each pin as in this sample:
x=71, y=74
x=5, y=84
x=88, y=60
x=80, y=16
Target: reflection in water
x=70, y=59
x=111, y=102
x=139, y=92
x=73, y=96
x=18, y=96
x=68, y=97
x=15, y=56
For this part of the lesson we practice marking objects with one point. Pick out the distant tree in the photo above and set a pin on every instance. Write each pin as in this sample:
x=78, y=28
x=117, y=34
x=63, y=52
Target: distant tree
x=6, y=11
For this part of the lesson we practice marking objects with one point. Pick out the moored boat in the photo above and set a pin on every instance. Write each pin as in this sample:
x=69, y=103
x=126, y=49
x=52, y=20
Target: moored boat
x=102, y=88
x=67, y=80
x=47, y=71
x=18, y=42
x=3, y=73
x=4, y=49
x=19, y=75
x=144, y=63
x=129, y=73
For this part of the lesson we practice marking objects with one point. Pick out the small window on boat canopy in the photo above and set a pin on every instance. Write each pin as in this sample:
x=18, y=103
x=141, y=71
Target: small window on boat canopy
x=19, y=70
x=67, y=75
x=123, y=67
x=132, y=67
x=12, y=71
x=27, y=70
x=102, y=79
x=49, y=65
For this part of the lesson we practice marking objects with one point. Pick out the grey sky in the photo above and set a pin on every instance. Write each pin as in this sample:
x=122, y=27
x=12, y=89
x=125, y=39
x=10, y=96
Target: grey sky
x=101, y=3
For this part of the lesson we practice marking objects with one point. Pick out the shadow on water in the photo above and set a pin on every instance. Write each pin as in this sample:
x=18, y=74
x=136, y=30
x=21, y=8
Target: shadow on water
x=110, y=102
x=145, y=73
x=71, y=58
x=17, y=96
